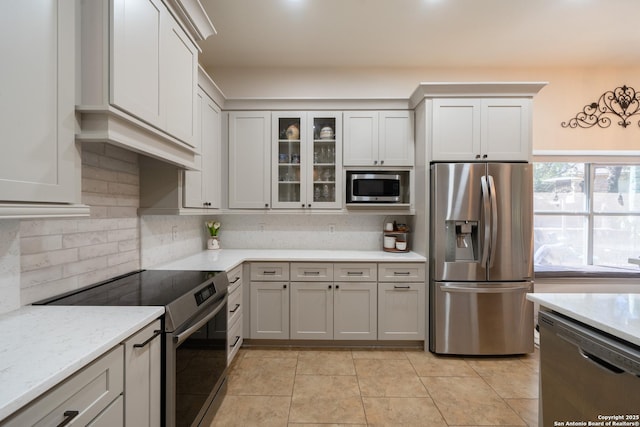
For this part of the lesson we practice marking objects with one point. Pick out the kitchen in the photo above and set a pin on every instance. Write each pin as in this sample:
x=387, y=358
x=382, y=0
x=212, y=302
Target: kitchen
x=46, y=257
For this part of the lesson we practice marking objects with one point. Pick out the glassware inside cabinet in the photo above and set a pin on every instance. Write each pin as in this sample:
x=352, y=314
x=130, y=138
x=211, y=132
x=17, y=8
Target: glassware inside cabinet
x=324, y=159
x=289, y=159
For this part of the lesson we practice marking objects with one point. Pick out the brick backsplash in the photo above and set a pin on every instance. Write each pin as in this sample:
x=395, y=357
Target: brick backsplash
x=58, y=255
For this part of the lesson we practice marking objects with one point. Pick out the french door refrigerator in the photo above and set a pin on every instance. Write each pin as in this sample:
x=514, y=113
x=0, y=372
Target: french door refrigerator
x=481, y=258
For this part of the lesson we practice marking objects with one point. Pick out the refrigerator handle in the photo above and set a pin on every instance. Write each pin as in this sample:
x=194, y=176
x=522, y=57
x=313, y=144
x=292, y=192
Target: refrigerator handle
x=486, y=206
x=494, y=220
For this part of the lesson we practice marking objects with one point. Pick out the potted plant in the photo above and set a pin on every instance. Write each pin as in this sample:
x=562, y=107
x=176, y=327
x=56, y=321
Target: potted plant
x=213, y=227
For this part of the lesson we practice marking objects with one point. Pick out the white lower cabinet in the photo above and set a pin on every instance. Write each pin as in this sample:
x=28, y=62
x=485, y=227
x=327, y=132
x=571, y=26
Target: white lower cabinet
x=80, y=399
x=355, y=312
x=312, y=310
x=112, y=416
x=234, y=313
x=270, y=310
x=401, y=301
x=120, y=388
x=142, y=382
x=401, y=311
x=338, y=301
x=333, y=311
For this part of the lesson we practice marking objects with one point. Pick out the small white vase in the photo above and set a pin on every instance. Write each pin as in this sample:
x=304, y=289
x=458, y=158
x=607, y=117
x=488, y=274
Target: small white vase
x=213, y=243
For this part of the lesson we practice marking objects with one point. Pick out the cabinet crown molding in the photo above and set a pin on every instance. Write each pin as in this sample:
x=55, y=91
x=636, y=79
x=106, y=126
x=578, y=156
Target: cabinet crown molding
x=473, y=89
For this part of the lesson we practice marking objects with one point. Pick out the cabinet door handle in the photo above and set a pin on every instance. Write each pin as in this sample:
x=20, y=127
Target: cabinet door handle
x=329, y=286
x=337, y=286
x=484, y=156
x=355, y=273
x=309, y=205
x=266, y=205
x=235, y=280
x=401, y=287
x=401, y=273
x=303, y=205
x=268, y=272
x=235, y=308
x=235, y=342
x=477, y=156
x=311, y=273
x=148, y=340
x=375, y=162
x=284, y=286
x=68, y=416
x=382, y=162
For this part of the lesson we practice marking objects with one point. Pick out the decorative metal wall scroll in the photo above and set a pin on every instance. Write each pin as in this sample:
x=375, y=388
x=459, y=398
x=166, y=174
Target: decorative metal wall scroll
x=623, y=102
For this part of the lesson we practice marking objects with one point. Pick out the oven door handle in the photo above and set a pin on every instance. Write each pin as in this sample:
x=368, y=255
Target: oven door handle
x=178, y=339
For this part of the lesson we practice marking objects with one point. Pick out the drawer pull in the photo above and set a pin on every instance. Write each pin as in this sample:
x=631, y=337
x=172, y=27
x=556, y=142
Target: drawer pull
x=68, y=416
x=311, y=273
x=148, y=340
x=235, y=308
x=401, y=273
x=235, y=280
x=401, y=287
x=355, y=273
x=235, y=342
x=269, y=272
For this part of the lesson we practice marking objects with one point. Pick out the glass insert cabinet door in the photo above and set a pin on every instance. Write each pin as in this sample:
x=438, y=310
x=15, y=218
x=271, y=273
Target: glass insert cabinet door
x=307, y=155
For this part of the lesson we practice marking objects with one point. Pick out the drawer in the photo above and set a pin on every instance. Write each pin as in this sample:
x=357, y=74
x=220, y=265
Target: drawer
x=235, y=278
x=234, y=340
x=234, y=306
x=311, y=272
x=355, y=272
x=401, y=272
x=89, y=392
x=269, y=271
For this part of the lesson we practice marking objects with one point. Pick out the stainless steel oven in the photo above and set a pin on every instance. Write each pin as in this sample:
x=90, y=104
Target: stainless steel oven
x=194, y=336
x=196, y=366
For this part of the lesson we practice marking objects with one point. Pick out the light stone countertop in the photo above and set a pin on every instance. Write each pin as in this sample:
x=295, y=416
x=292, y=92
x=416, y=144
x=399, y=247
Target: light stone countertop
x=40, y=346
x=226, y=259
x=616, y=314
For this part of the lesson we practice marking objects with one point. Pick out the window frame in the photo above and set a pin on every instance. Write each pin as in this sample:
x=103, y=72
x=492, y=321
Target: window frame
x=589, y=159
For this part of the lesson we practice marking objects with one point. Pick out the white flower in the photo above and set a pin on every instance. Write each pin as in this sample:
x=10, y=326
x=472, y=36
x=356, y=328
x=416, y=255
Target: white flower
x=213, y=227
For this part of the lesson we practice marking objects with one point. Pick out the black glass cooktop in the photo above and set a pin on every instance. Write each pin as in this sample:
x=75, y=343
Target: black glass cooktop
x=142, y=288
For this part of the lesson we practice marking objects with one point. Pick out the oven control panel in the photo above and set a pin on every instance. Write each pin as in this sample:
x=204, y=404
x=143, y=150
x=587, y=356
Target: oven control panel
x=205, y=293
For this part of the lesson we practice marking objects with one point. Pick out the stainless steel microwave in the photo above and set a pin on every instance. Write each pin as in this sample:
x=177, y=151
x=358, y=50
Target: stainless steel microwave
x=365, y=187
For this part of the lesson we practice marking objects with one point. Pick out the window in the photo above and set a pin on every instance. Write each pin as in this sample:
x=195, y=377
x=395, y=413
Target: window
x=586, y=214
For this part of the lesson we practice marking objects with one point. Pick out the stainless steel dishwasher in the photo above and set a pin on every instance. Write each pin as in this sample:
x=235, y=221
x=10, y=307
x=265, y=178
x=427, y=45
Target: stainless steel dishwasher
x=586, y=375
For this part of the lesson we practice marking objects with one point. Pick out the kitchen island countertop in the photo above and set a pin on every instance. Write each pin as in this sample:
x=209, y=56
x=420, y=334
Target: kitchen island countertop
x=226, y=259
x=40, y=346
x=616, y=314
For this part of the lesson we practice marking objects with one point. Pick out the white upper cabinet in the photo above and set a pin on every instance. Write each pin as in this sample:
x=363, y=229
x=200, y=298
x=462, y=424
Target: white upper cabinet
x=249, y=159
x=39, y=161
x=135, y=56
x=202, y=188
x=378, y=138
x=490, y=129
x=139, y=79
x=306, y=160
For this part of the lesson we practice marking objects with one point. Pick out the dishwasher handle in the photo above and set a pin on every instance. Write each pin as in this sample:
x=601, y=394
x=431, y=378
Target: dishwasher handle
x=601, y=362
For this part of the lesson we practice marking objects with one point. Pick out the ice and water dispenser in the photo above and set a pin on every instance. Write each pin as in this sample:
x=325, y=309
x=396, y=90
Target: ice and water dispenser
x=462, y=241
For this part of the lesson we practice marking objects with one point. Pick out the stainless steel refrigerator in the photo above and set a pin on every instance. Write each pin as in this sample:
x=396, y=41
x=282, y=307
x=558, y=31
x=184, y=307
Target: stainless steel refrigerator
x=481, y=249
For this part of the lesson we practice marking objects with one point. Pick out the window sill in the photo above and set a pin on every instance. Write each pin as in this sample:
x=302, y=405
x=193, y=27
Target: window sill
x=592, y=271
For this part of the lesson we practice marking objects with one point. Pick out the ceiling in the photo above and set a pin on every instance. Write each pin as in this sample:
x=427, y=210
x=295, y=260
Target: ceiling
x=422, y=33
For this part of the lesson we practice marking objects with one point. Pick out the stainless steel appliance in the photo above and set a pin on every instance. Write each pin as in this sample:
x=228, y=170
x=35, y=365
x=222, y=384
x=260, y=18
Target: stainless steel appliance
x=586, y=374
x=374, y=187
x=481, y=258
x=194, y=335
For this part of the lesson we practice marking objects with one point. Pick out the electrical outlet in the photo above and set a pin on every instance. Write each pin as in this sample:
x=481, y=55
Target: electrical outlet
x=174, y=233
x=332, y=228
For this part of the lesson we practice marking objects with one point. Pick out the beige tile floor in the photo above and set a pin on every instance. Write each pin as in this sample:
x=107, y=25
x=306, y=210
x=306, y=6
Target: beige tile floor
x=313, y=387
